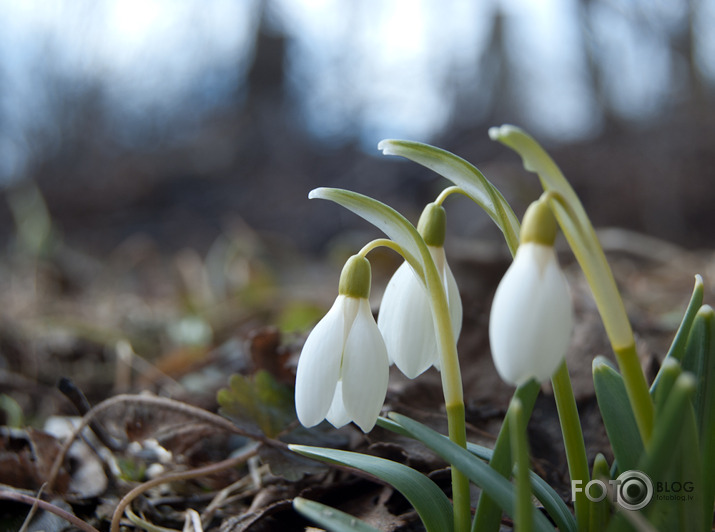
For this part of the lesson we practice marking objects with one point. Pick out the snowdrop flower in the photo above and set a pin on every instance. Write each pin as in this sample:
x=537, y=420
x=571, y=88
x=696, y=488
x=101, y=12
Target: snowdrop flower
x=405, y=317
x=343, y=368
x=531, y=316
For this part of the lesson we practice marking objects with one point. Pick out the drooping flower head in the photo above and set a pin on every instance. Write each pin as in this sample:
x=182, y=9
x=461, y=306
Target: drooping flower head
x=531, y=316
x=405, y=317
x=343, y=368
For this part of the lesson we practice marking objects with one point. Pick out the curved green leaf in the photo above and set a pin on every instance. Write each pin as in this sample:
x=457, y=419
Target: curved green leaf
x=600, y=512
x=700, y=359
x=425, y=496
x=677, y=348
x=464, y=175
x=385, y=218
x=617, y=415
x=491, y=482
x=330, y=518
x=673, y=455
x=488, y=513
x=520, y=451
x=553, y=503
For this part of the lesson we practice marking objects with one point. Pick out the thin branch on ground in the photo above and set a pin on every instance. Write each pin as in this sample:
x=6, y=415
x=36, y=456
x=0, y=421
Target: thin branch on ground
x=48, y=507
x=180, y=476
x=159, y=403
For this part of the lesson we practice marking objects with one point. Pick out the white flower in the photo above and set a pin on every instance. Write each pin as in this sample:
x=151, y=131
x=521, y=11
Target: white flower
x=405, y=317
x=343, y=368
x=531, y=317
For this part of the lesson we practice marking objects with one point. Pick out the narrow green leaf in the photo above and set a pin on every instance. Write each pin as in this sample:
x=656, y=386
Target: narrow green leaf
x=491, y=482
x=520, y=451
x=674, y=456
x=700, y=360
x=670, y=423
x=330, y=518
x=464, y=175
x=553, y=503
x=382, y=216
x=669, y=373
x=661, y=460
x=573, y=438
x=617, y=415
x=677, y=348
x=683, y=513
x=428, y=500
x=392, y=426
x=488, y=515
x=600, y=512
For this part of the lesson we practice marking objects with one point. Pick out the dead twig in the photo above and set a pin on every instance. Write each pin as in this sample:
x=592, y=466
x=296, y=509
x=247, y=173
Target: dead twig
x=48, y=507
x=160, y=403
x=179, y=476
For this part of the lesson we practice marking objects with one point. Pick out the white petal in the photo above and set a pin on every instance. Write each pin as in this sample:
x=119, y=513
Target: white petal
x=337, y=415
x=531, y=317
x=405, y=321
x=365, y=370
x=319, y=366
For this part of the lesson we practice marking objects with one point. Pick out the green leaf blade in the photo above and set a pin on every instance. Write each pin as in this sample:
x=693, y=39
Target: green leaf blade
x=429, y=501
x=491, y=482
x=385, y=218
x=677, y=347
x=700, y=360
x=464, y=175
x=330, y=518
x=617, y=415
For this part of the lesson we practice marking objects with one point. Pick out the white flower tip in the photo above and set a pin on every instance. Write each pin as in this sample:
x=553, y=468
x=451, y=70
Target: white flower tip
x=316, y=193
x=366, y=426
x=386, y=147
x=496, y=133
x=600, y=362
x=308, y=419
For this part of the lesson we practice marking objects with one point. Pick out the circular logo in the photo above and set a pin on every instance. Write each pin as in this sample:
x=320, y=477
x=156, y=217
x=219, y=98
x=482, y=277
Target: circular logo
x=634, y=490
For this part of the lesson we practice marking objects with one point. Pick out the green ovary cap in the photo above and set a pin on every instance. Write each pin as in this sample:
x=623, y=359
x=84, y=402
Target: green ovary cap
x=433, y=225
x=539, y=225
x=355, y=278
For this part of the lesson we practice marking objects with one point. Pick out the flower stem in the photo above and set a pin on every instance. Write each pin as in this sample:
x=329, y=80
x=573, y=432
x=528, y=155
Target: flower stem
x=573, y=439
x=460, y=482
x=637, y=388
x=380, y=242
x=447, y=192
x=451, y=387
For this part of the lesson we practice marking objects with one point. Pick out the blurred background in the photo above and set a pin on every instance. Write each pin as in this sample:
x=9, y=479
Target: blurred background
x=156, y=158
x=178, y=119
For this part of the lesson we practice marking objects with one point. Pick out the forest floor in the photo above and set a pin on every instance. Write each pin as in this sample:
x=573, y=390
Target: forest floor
x=150, y=338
